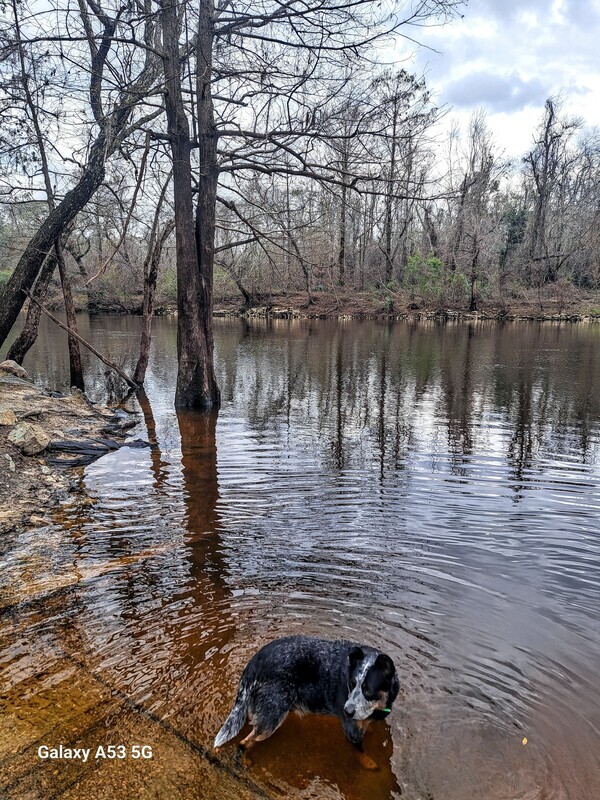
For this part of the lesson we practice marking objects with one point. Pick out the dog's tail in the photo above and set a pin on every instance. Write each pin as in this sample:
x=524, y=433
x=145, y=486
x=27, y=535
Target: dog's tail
x=235, y=721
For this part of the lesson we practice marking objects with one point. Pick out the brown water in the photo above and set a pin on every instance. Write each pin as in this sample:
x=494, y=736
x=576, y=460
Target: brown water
x=429, y=489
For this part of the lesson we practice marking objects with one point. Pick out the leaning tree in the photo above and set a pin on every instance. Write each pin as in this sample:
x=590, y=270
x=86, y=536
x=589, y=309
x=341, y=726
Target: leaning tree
x=75, y=81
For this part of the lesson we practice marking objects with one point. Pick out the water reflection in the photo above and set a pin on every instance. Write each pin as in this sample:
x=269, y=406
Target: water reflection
x=429, y=489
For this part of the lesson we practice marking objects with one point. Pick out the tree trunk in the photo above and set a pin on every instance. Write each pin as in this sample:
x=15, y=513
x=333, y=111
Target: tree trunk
x=150, y=278
x=75, y=363
x=208, y=394
x=474, y=274
x=389, y=202
x=28, y=267
x=196, y=385
x=25, y=340
x=248, y=300
x=457, y=238
x=342, y=247
x=431, y=232
x=343, y=217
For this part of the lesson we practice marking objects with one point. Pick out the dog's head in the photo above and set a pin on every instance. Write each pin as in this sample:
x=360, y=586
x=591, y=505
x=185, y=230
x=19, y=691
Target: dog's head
x=373, y=684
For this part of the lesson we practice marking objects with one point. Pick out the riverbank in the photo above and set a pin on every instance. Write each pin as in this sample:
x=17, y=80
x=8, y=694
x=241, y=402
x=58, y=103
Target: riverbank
x=346, y=303
x=370, y=305
x=43, y=435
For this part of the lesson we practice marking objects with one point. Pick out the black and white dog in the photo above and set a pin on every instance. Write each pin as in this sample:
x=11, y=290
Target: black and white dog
x=309, y=675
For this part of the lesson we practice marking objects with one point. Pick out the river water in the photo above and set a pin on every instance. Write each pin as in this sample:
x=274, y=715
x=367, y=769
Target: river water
x=429, y=489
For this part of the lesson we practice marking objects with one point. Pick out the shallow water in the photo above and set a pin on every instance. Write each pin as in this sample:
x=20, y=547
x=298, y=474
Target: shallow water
x=429, y=489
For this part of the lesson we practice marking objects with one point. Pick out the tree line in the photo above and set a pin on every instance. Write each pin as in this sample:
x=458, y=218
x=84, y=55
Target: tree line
x=149, y=148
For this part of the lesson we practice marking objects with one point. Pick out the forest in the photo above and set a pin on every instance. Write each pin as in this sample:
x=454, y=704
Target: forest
x=178, y=156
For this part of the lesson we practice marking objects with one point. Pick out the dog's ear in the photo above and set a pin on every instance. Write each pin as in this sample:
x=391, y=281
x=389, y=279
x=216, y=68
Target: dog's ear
x=354, y=656
x=385, y=665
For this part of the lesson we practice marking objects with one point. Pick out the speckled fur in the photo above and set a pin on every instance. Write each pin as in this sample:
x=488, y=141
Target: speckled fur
x=310, y=675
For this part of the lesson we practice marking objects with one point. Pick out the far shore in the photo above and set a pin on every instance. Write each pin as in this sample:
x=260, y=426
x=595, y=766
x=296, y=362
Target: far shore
x=348, y=304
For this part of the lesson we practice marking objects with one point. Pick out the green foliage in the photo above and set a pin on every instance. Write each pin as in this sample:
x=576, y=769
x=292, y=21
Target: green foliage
x=168, y=285
x=485, y=286
x=428, y=278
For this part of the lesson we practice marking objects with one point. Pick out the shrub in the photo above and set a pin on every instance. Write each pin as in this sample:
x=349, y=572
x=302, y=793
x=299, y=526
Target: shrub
x=428, y=278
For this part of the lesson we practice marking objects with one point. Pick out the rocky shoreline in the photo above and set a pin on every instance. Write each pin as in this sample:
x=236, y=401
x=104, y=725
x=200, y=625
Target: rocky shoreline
x=282, y=312
x=43, y=435
x=346, y=305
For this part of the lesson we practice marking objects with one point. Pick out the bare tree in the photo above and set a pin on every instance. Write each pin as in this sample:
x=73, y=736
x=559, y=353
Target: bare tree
x=111, y=112
x=258, y=75
x=544, y=163
x=404, y=114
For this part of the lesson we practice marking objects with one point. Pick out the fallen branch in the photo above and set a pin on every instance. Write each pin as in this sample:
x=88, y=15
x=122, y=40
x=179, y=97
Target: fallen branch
x=90, y=347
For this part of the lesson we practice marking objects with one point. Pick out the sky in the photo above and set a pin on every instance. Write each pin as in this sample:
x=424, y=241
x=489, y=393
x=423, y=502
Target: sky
x=507, y=57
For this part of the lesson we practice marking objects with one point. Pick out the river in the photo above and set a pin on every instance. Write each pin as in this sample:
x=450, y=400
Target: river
x=429, y=489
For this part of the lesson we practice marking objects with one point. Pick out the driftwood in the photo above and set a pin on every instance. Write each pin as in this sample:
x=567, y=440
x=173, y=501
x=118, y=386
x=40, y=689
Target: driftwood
x=90, y=347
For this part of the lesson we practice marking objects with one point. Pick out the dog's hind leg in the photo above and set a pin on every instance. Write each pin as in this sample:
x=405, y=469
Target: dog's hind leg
x=268, y=713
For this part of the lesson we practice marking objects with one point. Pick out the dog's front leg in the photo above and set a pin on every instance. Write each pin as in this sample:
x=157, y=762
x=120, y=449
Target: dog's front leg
x=354, y=731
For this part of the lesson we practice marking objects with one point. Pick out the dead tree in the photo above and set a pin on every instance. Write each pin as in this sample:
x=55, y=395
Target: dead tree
x=544, y=164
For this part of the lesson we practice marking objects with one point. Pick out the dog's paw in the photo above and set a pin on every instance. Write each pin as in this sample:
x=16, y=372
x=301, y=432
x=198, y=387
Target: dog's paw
x=244, y=757
x=367, y=762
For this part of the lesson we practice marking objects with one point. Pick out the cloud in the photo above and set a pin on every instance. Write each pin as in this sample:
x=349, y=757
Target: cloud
x=508, y=56
x=511, y=9
x=498, y=93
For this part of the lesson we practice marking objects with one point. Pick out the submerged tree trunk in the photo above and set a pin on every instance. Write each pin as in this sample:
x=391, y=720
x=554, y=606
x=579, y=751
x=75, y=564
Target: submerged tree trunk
x=196, y=385
x=206, y=207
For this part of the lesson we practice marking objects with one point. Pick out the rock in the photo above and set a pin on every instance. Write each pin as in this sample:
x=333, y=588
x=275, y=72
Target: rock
x=29, y=438
x=7, y=416
x=14, y=369
x=37, y=521
x=11, y=463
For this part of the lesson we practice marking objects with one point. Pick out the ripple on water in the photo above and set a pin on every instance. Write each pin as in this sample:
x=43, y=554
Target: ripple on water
x=447, y=516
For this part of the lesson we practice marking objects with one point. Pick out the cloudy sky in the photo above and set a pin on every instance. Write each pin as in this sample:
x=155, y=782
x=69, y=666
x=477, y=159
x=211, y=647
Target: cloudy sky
x=508, y=56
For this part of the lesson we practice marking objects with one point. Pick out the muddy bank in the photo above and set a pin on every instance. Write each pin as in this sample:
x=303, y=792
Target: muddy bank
x=43, y=435
x=370, y=305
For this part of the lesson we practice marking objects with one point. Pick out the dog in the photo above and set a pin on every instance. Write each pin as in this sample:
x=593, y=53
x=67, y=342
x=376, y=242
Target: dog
x=304, y=674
